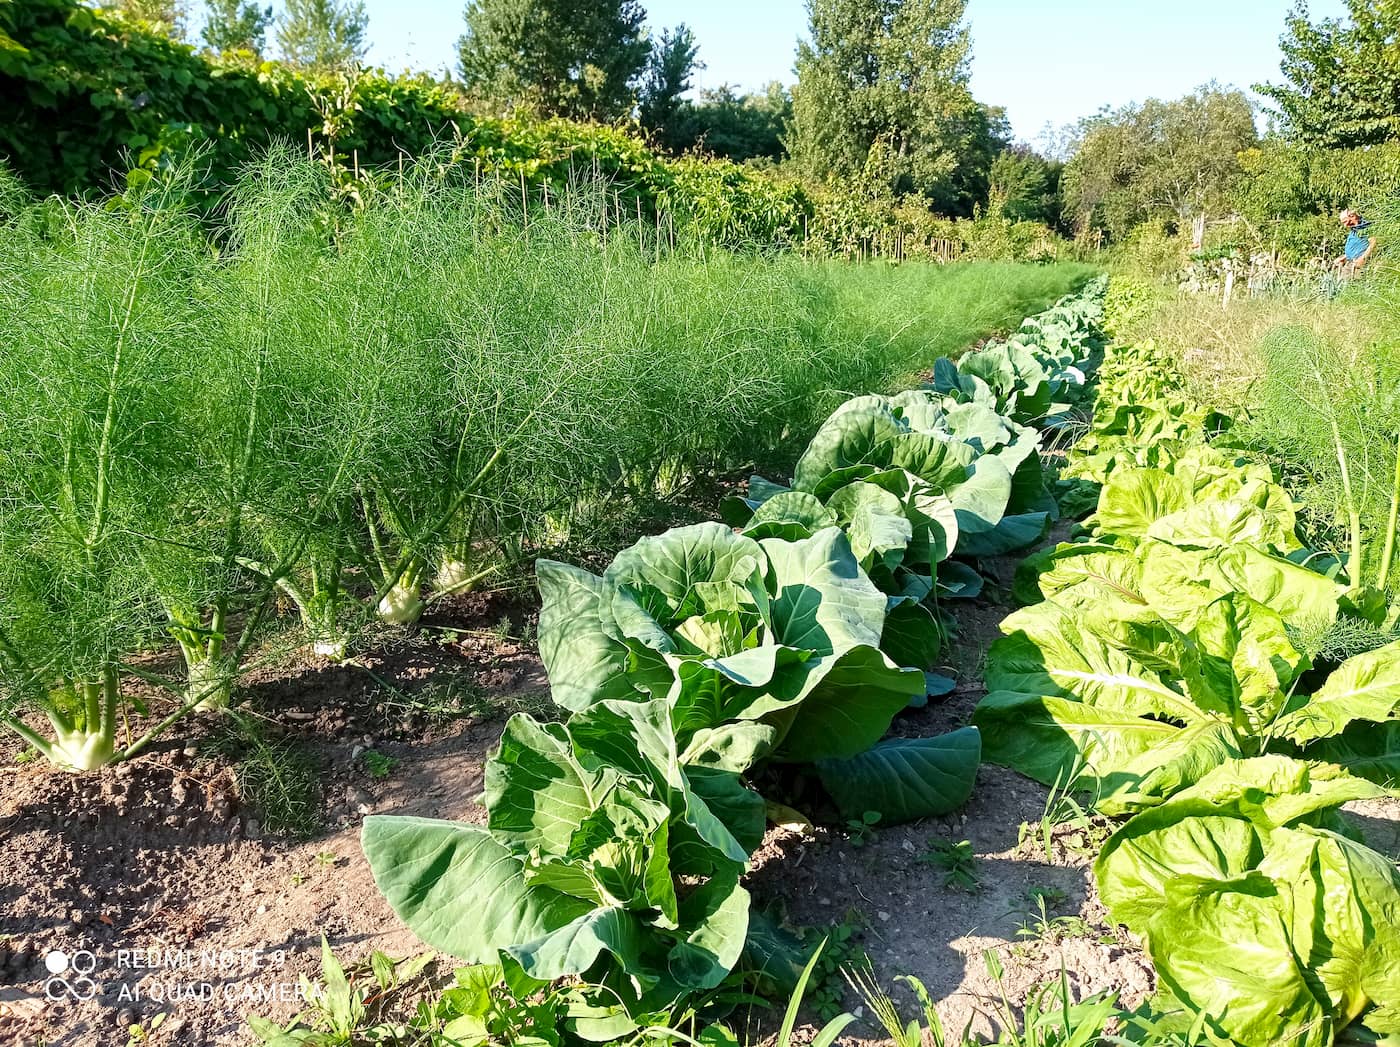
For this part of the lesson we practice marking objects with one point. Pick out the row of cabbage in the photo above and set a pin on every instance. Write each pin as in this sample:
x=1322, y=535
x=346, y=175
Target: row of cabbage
x=615, y=842
x=1193, y=665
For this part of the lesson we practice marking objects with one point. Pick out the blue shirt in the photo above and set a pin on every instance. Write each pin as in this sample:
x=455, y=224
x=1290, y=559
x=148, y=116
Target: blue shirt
x=1356, y=243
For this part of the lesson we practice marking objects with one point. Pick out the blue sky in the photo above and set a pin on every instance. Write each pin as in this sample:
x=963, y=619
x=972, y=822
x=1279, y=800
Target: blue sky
x=1046, y=61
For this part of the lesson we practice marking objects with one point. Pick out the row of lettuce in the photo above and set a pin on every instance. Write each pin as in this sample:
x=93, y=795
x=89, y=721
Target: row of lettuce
x=1190, y=663
x=616, y=841
x=87, y=93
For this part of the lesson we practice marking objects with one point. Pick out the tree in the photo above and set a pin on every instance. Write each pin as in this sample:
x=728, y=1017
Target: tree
x=236, y=25
x=164, y=16
x=1342, y=77
x=738, y=127
x=1024, y=186
x=323, y=35
x=976, y=137
x=575, y=58
x=674, y=60
x=882, y=97
x=1159, y=160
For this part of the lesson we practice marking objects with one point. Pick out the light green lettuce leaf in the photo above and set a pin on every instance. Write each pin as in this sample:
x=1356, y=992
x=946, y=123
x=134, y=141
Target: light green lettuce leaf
x=1364, y=687
x=1218, y=524
x=1134, y=499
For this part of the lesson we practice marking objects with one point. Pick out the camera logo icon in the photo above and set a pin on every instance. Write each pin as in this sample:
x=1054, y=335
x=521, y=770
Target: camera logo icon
x=70, y=975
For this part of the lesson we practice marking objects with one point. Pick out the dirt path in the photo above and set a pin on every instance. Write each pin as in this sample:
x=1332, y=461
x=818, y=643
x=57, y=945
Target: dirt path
x=189, y=908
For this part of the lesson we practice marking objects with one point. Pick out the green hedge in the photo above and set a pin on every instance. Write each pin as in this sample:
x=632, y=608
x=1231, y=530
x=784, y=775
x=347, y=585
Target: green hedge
x=88, y=96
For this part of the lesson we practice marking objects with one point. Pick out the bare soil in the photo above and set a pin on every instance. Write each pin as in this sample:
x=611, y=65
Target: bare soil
x=165, y=874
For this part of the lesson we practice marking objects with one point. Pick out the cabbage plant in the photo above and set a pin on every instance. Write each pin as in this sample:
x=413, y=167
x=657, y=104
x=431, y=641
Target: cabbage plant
x=729, y=628
x=614, y=842
x=912, y=479
x=738, y=634
x=1038, y=374
x=604, y=856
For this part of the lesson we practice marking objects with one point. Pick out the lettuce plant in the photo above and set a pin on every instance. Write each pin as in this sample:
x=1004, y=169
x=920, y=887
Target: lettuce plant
x=1191, y=626
x=1264, y=917
x=1178, y=637
x=1149, y=665
x=1202, y=498
x=1140, y=416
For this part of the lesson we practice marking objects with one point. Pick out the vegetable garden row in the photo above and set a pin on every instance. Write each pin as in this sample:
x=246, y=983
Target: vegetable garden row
x=616, y=841
x=1186, y=661
x=337, y=416
x=1192, y=664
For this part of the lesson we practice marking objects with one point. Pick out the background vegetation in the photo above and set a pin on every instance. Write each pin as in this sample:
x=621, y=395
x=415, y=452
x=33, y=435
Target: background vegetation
x=844, y=162
x=336, y=398
x=98, y=93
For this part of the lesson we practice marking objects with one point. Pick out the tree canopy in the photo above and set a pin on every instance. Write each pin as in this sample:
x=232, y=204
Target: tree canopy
x=1168, y=161
x=1024, y=186
x=236, y=25
x=323, y=35
x=169, y=17
x=672, y=64
x=1342, y=77
x=574, y=58
x=882, y=99
x=727, y=123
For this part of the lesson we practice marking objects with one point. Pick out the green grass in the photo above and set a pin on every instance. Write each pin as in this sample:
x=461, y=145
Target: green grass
x=1311, y=383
